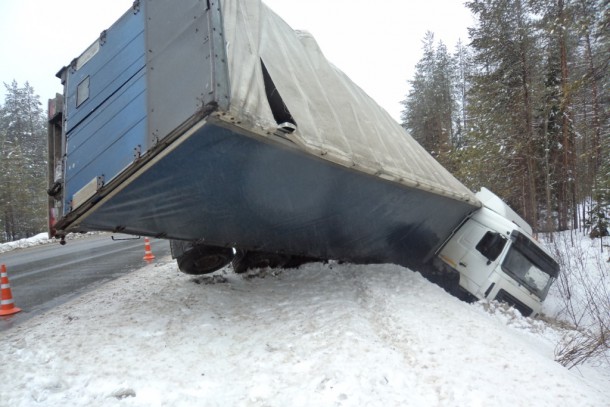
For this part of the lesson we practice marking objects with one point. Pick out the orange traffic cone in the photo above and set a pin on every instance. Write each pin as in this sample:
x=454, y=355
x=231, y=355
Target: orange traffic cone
x=7, y=305
x=148, y=256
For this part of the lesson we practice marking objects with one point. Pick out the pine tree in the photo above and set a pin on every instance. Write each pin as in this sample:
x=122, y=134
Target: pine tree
x=591, y=83
x=463, y=75
x=503, y=95
x=22, y=162
x=575, y=77
x=569, y=179
x=530, y=116
x=430, y=106
x=418, y=114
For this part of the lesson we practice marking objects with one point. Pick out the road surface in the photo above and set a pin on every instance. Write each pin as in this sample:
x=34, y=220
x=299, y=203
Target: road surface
x=43, y=277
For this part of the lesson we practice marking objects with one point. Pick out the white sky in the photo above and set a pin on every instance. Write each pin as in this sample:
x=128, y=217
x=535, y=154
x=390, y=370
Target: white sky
x=377, y=44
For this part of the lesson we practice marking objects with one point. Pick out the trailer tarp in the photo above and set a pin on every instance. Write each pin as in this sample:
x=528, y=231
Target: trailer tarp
x=335, y=119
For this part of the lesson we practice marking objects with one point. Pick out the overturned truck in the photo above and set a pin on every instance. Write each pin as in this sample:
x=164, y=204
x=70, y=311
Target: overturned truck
x=217, y=126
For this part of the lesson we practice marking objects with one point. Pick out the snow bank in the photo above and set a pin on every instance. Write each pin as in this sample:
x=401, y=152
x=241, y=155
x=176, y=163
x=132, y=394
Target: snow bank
x=318, y=336
x=41, y=238
x=583, y=264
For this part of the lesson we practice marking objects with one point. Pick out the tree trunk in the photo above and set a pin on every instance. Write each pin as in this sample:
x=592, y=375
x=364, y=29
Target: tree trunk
x=529, y=163
x=569, y=180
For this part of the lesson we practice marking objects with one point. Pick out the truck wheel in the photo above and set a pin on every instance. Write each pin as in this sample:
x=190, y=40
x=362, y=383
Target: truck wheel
x=246, y=260
x=203, y=259
x=297, y=261
x=239, y=261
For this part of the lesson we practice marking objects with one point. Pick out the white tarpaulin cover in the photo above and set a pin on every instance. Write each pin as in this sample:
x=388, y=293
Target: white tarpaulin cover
x=335, y=119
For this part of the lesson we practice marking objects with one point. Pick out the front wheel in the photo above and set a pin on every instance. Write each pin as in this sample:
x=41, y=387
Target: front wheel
x=197, y=259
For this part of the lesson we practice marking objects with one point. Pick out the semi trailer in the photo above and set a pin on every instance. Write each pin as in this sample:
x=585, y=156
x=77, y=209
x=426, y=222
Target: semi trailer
x=214, y=124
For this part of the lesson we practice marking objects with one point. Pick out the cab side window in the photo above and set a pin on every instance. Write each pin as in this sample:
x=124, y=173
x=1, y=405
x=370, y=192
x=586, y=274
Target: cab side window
x=491, y=245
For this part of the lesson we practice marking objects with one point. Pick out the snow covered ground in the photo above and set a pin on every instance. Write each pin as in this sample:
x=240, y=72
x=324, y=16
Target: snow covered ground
x=41, y=238
x=322, y=335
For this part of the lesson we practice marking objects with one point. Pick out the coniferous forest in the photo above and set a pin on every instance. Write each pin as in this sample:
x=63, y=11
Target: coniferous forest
x=23, y=164
x=522, y=109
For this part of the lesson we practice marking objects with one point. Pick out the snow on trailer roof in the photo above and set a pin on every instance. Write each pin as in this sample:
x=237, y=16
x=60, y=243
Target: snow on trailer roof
x=334, y=118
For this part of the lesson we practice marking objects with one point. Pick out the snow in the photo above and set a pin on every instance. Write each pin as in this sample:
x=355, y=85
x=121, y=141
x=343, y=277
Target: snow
x=41, y=238
x=37, y=240
x=581, y=260
x=321, y=335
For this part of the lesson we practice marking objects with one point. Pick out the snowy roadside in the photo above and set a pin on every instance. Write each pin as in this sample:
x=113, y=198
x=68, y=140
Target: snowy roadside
x=39, y=239
x=318, y=336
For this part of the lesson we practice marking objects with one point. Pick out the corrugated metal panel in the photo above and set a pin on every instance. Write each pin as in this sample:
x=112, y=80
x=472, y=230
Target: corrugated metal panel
x=106, y=106
x=184, y=72
x=109, y=139
x=106, y=66
x=154, y=73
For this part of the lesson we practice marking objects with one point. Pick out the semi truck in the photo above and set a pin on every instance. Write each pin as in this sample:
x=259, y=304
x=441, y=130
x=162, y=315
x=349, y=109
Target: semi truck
x=215, y=125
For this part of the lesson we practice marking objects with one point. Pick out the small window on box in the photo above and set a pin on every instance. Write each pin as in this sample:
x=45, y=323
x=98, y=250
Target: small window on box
x=82, y=91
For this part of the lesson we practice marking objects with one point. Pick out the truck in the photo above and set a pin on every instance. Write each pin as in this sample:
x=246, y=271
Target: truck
x=215, y=125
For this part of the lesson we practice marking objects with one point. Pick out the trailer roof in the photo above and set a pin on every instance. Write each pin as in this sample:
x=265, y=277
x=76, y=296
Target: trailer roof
x=335, y=119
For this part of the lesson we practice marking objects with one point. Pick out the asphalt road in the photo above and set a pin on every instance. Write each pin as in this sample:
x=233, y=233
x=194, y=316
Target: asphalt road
x=43, y=277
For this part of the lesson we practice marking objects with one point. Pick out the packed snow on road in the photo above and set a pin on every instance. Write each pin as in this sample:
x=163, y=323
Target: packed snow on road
x=321, y=335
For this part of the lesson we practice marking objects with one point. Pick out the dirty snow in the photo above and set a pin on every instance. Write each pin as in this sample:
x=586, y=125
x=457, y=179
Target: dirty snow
x=322, y=335
x=39, y=239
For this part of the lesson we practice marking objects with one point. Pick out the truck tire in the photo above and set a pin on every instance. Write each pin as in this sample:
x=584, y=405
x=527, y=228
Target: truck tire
x=297, y=261
x=239, y=264
x=203, y=259
x=246, y=260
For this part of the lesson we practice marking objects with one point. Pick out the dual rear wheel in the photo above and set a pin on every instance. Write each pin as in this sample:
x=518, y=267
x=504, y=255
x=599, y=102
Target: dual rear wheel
x=197, y=258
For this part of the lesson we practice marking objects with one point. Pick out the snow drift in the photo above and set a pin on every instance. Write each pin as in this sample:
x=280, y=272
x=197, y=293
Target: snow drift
x=320, y=335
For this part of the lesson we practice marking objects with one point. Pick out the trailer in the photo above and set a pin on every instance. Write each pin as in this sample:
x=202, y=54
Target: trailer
x=214, y=124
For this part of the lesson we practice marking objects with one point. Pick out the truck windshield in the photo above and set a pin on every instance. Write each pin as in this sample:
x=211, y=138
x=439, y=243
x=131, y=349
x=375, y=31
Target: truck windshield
x=529, y=265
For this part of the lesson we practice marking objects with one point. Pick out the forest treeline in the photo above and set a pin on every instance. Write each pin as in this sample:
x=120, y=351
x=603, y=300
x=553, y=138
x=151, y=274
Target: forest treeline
x=523, y=107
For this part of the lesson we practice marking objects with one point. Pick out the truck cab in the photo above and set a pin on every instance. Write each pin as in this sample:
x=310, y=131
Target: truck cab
x=497, y=257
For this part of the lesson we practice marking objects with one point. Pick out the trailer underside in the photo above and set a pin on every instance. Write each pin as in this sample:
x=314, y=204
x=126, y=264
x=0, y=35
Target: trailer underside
x=222, y=186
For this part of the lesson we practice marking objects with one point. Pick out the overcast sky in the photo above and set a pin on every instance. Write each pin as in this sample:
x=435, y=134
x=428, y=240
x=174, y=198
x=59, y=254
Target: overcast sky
x=376, y=43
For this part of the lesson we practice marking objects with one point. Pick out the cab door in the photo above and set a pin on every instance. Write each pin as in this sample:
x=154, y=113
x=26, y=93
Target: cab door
x=474, y=250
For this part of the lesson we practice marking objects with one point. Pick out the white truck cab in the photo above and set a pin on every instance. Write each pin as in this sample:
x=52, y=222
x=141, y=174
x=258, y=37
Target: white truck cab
x=497, y=257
